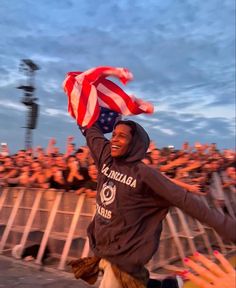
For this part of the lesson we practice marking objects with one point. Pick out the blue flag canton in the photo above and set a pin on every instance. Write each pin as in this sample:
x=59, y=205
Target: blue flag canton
x=107, y=120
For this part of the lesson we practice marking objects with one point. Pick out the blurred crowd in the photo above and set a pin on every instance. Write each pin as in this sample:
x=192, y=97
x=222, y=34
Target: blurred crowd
x=196, y=168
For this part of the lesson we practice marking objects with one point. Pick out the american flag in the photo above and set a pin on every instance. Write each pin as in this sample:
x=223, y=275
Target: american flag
x=90, y=90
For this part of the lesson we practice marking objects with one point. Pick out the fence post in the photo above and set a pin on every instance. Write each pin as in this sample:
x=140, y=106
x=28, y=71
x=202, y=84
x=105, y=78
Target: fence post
x=48, y=227
x=3, y=197
x=11, y=219
x=174, y=234
x=74, y=222
x=31, y=218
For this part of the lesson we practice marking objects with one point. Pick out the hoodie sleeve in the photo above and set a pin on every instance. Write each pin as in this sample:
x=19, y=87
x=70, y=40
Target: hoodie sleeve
x=98, y=144
x=190, y=203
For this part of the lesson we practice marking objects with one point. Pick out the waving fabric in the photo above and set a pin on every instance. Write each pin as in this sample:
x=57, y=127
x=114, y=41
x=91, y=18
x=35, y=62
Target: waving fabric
x=90, y=90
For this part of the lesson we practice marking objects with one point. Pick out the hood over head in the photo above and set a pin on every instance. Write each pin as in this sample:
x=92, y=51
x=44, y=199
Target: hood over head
x=139, y=144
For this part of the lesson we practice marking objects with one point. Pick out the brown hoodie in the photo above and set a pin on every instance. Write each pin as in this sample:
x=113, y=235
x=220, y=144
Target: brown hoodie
x=132, y=200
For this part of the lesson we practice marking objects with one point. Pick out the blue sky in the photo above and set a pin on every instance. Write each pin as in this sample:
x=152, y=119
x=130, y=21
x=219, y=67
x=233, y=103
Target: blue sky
x=182, y=55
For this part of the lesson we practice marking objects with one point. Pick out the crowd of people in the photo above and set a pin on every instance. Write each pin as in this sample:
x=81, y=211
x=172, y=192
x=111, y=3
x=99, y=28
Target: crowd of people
x=193, y=168
x=74, y=170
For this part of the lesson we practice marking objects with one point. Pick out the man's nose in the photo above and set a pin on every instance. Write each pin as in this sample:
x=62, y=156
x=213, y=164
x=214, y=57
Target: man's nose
x=114, y=138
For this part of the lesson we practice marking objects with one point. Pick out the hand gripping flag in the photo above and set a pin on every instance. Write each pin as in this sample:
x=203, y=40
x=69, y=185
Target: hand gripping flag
x=90, y=90
x=107, y=120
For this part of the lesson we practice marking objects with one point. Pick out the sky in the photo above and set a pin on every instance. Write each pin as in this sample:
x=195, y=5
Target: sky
x=181, y=53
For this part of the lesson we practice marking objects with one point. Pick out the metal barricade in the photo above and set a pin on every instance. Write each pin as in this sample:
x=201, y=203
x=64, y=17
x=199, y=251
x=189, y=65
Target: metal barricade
x=58, y=220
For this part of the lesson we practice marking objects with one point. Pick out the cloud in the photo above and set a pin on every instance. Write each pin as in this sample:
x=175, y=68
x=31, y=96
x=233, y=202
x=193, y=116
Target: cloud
x=12, y=105
x=165, y=130
x=51, y=112
x=182, y=55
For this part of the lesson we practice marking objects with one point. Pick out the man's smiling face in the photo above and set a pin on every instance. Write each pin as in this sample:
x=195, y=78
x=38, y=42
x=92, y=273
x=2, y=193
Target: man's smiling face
x=120, y=140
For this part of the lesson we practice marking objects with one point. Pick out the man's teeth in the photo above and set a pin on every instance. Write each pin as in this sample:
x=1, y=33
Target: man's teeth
x=115, y=147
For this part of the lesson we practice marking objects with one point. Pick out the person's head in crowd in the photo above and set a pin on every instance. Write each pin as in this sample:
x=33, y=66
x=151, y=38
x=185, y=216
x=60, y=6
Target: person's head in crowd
x=71, y=148
x=214, y=165
x=194, y=155
x=182, y=154
x=229, y=154
x=39, y=149
x=185, y=146
x=221, y=161
x=93, y=172
x=25, y=169
x=165, y=151
x=152, y=146
x=56, y=150
x=147, y=160
x=172, y=156
x=24, y=176
x=199, y=147
x=164, y=157
x=155, y=156
x=206, y=166
x=8, y=163
x=28, y=158
x=20, y=161
x=215, y=155
x=231, y=172
x=21, y=153
x=48, y=161
x=72, y=162
x=29, y=152
x=213, y=147
x=36, y=167
x=55, y=169
x=3, y=173
x=2, y=168
x=81, y=156
x=60, y=161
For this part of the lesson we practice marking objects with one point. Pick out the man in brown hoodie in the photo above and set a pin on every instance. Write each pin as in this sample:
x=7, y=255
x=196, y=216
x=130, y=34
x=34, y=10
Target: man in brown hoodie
x=132, y=201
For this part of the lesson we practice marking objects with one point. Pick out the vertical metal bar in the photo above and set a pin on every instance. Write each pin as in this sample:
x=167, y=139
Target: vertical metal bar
x=11, y=219
x=86, y=248
x=218, y=238
x=175, y=236
x=205, y=237
x=3, y=197
x=31, y=217
x=186, y=230
x=71, y=232
x=229, y=205
x=48, y=227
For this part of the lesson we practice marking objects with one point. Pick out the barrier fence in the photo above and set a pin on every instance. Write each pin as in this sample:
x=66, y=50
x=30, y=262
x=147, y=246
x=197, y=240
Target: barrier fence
x=58, y=220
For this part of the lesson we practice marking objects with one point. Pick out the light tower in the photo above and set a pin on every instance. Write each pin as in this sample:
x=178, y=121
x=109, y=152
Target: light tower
x=29, y=68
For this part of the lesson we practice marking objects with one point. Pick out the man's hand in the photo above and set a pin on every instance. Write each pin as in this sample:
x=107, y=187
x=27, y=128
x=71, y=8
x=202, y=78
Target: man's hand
x=208, y=274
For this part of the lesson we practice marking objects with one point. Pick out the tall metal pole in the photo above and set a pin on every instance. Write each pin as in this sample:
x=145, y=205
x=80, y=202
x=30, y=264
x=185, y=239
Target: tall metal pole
x=29, y=68
x=28, y=135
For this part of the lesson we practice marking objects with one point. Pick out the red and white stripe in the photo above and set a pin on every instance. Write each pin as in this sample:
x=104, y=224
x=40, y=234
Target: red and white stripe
x=88, y=91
